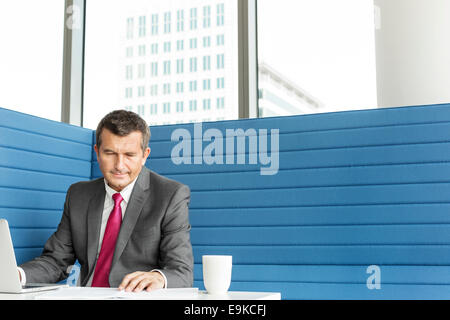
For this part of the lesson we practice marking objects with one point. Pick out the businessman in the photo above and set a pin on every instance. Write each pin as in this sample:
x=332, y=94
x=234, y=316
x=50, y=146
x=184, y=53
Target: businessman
x=128, y=229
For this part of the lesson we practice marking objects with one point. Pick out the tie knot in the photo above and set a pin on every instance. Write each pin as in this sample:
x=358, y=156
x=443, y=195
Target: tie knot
x=117, y=197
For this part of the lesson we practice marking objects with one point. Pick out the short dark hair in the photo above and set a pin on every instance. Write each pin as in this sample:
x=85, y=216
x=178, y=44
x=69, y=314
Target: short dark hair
x=122, y=123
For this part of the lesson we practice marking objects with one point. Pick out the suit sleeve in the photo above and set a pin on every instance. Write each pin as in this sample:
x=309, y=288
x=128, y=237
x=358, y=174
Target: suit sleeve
x=58, y=254
x=176, y=257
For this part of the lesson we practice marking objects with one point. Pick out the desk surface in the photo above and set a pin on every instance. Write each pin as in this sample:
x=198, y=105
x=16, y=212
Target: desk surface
x=73, y=293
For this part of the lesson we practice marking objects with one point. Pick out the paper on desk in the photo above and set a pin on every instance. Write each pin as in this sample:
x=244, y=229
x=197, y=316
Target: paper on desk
x=88, y=293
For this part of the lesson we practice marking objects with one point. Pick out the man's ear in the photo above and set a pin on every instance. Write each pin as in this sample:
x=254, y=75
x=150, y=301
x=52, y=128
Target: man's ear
x=96, y=150
x=146, y=154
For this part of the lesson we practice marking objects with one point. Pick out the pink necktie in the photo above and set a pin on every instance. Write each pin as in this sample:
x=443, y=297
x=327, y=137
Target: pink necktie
x=105, y=257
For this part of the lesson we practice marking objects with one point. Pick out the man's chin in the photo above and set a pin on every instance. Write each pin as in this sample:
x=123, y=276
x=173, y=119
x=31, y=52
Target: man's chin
x=118, y=183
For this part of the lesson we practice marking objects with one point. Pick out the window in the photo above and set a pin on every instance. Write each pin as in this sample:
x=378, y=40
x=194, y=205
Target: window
x=154, y=24
x=141, y=26
x=206, y=63
x=180, y=106
x=167, y=46
x=193, y=43
x=167, y=22
x=129, y=52
x=220, y=39
x=193, y=64
x=170, y=59
x=153, y=108
x=207, y=42
x=207, y=84
x=141, y=70
x=154, y=48
x=130, y=27
x=167, y=67
x=141, y=110
x=180, y=45
x=129, y=72
x=206, y=16
x=221, y=103
x=220, y=83
x=193, y=21
x=206, y=104
x=330, y=66
x=180, y=20
x=193, y=105
x=220, y=14
x=220, y=61
x=154, y=69
x=193, y=86
x=180, y=66
x=31, y=59
x=141, y=50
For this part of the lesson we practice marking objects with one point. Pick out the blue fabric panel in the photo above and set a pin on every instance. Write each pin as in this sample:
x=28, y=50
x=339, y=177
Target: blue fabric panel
x=39, y=160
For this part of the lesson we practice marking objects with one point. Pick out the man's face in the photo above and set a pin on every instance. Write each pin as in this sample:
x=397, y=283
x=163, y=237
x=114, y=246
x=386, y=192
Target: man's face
x=120, y=158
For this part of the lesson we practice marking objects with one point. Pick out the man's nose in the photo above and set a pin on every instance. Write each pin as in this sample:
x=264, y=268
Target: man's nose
x=119, y=165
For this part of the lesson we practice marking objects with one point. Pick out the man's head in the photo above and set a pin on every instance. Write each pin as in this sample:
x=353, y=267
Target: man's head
x=122, y=147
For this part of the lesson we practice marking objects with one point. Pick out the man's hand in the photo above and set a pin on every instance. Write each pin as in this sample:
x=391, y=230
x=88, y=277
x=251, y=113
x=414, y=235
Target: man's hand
x=139, y=280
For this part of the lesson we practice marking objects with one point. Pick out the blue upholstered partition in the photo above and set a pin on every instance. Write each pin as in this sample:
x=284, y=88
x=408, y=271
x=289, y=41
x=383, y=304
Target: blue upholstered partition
x=353, y=189
x=39, y=160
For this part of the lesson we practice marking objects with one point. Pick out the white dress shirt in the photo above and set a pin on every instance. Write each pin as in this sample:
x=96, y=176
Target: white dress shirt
x=107, y=208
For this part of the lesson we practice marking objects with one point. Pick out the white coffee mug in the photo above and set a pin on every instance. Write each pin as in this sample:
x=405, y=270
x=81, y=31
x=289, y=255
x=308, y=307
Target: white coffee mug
x=217, y=273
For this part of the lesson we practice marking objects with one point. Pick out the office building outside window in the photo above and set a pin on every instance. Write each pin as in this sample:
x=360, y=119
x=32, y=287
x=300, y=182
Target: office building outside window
x=178, y=46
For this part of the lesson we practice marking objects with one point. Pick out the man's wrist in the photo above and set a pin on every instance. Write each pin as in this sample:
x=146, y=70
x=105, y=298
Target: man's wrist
x=164, y=277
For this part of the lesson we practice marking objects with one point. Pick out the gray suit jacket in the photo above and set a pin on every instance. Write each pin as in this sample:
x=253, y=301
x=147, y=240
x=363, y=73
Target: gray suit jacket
x=155, y=233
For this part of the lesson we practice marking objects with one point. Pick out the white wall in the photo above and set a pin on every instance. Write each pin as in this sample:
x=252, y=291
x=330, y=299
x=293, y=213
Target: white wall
x=412, y=52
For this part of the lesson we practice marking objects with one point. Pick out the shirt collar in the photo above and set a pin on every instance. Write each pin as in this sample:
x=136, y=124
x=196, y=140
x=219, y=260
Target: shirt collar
x=125, y=193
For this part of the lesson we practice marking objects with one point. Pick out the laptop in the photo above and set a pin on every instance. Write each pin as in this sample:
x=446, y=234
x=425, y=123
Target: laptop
x=9, y=275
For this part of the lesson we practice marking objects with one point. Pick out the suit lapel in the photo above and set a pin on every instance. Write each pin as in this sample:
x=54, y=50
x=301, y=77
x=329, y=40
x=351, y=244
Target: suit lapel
x=94, y=219
x=134, y=208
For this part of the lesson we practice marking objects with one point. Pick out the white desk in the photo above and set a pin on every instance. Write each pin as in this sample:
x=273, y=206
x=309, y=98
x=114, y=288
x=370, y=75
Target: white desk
x=164, y=294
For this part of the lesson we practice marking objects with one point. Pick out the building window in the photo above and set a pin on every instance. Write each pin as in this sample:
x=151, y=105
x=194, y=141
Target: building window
x=180, y=87
x=220, y=14
x=128, y=93
x=220, y=83
x=220, y=39
x=207, y=42
x=141, y=110
x=193, y=43
x=142, y=26
x=221, y=103
x=130, y=27
x=141, y=91
x=166, y=107
x=141, y=70
x=166, y=67
x=220, y=61
x=129, y=72
x=129, y=52
x=193, y=105
x=167, y=22
x=180, y=20
x=154, y=24
x=206, y=104
x=153, y=108
x=154, y=48
x=154, y=90
x=166, y=88
x=193, y=64
x=167, y=46
x=193, y=21
x=154, y=69
x=141, y=50
x=180, y=45
x=206, y=16
x=180, y=106
x=207, y=84
x=193, y=85
x=206, y=63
